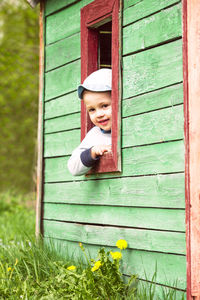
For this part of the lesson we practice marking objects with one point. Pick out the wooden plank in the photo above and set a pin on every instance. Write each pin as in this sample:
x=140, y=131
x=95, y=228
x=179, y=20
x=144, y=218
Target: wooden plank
x=152, y=69
x=62, y=142
x=161, y=241
x=52, y=5
x=171, y=269
x=158, y=126
x=146, y=160
x=63, y=52
x=64, y=23
x=63, y=105
x=137, y=9
x=154, y=159
x=165, y=97
x=62, y=123
x=165, y=25
x=63, y=80
x=166, y=219
x=150, y=191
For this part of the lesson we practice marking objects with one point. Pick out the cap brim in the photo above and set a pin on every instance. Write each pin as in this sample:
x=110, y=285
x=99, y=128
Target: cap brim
x=80, y=91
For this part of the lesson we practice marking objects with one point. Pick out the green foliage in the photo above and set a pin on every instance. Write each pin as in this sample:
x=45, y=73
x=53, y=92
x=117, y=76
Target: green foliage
x=17, y=217
x=30, y=270
x=19, y=43
x=101, y=281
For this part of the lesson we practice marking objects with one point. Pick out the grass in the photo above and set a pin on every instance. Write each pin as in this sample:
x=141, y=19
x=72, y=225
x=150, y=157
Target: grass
x=31, y=270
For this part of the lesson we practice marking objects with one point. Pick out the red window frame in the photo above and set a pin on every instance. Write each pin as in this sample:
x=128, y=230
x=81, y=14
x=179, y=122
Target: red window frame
x=94, y=15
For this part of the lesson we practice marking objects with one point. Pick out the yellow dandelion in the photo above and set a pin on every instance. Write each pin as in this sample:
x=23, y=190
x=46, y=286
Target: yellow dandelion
x=121, y=244
x=9, y=269
x=71, y=268
x=116, y=255
x=96, y=266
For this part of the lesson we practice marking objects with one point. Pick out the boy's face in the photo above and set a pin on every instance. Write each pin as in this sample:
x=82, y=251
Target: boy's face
x=98, y=105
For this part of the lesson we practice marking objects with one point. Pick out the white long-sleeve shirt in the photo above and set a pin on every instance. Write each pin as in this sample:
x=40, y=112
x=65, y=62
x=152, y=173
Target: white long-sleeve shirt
x=81, y=161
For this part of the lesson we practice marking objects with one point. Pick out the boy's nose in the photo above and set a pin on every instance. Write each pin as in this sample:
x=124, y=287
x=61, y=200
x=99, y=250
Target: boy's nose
x=100, y=112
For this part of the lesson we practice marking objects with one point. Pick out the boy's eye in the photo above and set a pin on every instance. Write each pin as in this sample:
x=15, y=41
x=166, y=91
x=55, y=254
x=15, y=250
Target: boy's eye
x=105, y=105
x=91, y=109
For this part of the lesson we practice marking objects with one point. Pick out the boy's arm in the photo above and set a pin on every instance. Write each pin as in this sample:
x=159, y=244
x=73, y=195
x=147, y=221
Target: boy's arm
x=86, y=154
x=81, y=161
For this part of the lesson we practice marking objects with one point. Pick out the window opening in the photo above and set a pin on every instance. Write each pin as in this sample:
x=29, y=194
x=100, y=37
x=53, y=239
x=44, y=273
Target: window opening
x=105, y=43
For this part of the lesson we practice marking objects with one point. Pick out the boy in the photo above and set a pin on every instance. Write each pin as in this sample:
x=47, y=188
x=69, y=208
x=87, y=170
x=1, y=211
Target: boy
x=96, y=94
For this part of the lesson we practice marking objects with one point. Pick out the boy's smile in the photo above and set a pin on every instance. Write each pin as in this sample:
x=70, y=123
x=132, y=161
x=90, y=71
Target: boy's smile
x=99, y=107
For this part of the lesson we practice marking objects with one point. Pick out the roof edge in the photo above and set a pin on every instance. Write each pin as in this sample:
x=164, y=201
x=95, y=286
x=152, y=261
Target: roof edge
x=33, y=3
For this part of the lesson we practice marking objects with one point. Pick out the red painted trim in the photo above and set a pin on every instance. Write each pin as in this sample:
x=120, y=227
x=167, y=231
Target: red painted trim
x=98, y=9
x=191, y=76
x=186, y=136
x=89, y=64
x=92, y=15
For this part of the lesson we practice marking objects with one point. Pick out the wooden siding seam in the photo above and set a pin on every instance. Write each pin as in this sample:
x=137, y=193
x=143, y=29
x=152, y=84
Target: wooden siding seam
x=153, y=46
x=65, y=115
x=117, y=177
x=108, y=205
x=159, y=284
x=57, y=97
x=62, y=39
x=154, y=143
x=154, y=13
x=63, y=65
x=65, y=130
x=149, y=111
x=115, y=225
x=59, y=40
x=111, y=178
x=62, y=8
x=131, y=248
x=152, y=91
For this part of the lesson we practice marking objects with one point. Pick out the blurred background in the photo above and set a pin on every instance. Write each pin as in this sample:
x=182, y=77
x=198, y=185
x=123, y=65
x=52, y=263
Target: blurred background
x=19, y=69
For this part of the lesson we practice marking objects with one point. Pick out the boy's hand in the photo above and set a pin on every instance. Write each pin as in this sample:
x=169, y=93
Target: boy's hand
x=99, y=150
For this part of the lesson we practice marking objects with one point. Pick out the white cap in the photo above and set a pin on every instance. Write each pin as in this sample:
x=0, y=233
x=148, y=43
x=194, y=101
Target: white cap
x=98, y=81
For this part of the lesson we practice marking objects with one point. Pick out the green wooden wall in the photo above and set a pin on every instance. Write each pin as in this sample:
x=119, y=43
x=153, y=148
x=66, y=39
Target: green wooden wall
x=145, y=203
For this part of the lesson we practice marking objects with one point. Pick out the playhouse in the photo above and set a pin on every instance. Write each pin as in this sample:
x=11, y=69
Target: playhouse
x=147, y=191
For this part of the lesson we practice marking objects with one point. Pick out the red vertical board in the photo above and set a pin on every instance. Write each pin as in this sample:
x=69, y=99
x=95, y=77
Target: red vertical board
x=92, y=16
x=191, y=75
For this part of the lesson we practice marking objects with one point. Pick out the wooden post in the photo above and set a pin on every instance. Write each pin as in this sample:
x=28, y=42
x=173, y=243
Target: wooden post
x=40, y=128
x=191, y=71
